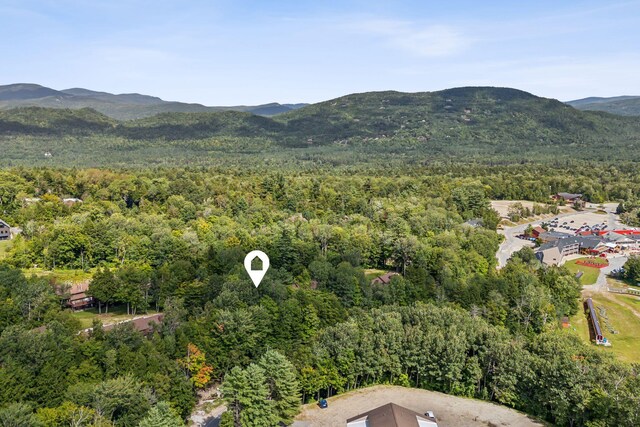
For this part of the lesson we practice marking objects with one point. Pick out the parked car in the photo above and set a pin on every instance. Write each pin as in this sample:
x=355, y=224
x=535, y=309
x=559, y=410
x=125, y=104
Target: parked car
x=323, y=403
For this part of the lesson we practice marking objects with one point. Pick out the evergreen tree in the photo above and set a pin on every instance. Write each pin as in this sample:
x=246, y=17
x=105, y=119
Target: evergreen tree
x=282, y=384
x=258, y=410
x=247, y=396
x=161, y=415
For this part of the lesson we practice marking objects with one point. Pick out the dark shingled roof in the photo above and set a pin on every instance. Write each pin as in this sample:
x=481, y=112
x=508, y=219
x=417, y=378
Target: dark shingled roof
x=569, y=196
x=391, y=415
x=385, y=278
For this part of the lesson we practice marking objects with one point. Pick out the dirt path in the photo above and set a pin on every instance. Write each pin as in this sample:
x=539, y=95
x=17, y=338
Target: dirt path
x=450, y=410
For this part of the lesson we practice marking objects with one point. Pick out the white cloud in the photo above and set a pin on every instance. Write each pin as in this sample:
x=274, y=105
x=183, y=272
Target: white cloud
x=417, y=39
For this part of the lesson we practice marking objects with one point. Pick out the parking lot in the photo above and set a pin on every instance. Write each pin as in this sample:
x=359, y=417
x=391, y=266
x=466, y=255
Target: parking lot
x=581, y=221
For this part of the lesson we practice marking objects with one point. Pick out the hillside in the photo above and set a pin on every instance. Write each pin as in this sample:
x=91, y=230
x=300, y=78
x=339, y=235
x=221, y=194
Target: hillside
x=621, y=105
x=473, y=123
x=121, y=107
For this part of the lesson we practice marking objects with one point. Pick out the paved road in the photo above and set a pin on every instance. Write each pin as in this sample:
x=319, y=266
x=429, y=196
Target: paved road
x=615, y=262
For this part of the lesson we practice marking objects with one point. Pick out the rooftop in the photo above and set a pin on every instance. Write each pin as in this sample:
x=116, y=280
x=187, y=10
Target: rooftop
x=391, y=415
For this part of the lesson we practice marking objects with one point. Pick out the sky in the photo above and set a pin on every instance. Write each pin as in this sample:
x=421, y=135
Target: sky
x=233, y=52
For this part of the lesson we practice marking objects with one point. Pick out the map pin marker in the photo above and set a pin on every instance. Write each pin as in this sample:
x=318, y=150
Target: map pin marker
x=256, y=275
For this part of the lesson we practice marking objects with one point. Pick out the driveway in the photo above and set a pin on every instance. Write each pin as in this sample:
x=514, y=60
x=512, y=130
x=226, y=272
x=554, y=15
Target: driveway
x=615, y=262
x=450, y=410
x=201, y=418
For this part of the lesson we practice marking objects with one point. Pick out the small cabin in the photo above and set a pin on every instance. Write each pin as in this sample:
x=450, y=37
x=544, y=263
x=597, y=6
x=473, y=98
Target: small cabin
x=5, y=231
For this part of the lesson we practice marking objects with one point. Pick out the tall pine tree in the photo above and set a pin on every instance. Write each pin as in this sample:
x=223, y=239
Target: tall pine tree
x=284, y=390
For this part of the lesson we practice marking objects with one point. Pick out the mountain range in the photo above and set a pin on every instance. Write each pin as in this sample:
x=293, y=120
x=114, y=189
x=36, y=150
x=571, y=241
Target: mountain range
x=121, y=107
x=468, y=123
x=621, y=105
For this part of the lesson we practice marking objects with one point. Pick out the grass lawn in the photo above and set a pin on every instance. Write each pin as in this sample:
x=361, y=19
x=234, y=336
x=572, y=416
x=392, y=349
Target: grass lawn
x=590, y=273
x=372, y=273
x=623, y=313
x=116, y=314
x=4, y=248
x=60, y=275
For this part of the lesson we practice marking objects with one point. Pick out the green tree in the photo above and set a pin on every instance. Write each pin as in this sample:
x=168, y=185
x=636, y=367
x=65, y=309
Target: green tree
x=282, y=384
x=247, y=396
x=17, y=415
x=123, y=400
x=104, y=287
x=161, y=415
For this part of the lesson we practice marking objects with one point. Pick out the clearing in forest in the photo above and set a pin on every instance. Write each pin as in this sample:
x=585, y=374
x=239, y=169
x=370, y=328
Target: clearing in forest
x=450, y=410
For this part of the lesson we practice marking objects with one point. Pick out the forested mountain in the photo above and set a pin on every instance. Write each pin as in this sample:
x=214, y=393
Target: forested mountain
x=122, y=107
x=622, y=105
x=468, y=124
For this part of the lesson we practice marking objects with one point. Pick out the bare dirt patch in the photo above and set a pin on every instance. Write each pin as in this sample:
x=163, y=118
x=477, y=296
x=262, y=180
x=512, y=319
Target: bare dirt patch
x=450, y=410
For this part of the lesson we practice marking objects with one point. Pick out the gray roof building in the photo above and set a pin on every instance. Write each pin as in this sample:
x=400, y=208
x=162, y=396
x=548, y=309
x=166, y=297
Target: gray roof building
x=392, y=415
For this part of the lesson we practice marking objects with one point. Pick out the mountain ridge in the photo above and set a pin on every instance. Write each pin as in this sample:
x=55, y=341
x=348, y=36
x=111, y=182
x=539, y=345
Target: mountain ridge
x=621, y=105
x=453, y=124
x=126, y=106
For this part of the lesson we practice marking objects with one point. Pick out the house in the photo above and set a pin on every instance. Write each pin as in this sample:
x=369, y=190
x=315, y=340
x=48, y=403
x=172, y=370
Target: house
x=75, y=297
x=572, y=198
x=549, y=256
x=5, y=231
x=385, y=279
x=392, y=415
x=537, y=231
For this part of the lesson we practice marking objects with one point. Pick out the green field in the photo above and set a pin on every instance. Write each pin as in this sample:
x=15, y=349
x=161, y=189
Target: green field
x=590, y=273
x=623, y=313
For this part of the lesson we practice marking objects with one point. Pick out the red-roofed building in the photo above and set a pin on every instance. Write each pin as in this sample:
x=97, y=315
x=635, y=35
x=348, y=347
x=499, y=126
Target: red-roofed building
x=537, y=231
x=627, y=232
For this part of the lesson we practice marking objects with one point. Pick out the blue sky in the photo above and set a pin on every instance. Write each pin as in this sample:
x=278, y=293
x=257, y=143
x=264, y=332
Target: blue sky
x=249, y=52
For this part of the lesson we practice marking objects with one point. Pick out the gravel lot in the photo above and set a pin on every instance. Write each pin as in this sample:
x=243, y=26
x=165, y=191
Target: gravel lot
x=451, y=411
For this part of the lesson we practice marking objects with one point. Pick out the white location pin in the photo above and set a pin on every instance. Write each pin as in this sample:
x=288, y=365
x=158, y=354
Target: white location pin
x=256, y=275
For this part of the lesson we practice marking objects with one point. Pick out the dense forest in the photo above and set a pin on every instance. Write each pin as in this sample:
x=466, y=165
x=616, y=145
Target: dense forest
x=174, y=240
x=474, y=124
